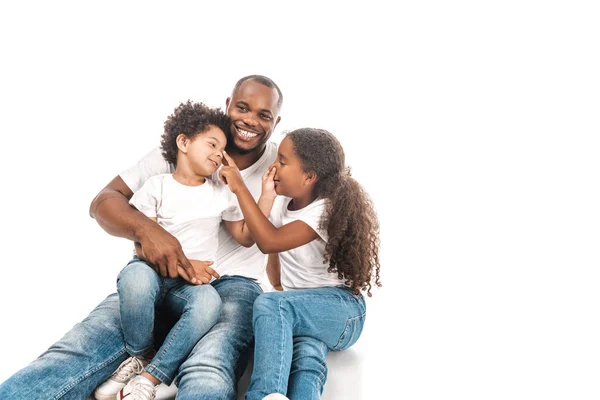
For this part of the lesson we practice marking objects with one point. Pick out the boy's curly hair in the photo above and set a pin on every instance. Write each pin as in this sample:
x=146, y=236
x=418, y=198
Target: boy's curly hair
x=191, y=119
x=350, y=220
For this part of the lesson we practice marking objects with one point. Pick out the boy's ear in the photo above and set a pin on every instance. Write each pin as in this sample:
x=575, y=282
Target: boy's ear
x=182, y=143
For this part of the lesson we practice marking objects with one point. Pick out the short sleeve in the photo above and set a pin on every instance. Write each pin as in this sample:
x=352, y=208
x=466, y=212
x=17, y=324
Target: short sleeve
x=311, y=216
x=150, y=165
x=233, y=212
x=147, y=198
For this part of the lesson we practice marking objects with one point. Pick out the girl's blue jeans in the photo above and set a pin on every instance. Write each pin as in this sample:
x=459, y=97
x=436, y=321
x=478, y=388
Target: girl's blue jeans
x=297, y=328
x=142, y=291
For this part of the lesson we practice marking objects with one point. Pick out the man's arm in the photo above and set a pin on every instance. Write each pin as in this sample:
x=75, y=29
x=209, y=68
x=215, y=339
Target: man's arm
x=111, y=209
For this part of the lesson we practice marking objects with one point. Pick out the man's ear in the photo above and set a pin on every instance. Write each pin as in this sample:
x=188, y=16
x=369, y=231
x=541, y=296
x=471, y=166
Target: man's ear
x=182, y=143
x=227, y=101
x=276, y=122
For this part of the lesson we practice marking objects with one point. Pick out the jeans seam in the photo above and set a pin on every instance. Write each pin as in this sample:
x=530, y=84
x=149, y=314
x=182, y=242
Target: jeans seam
x=154, y=370
x=89, y=373
x=323, y=368
x=282, y=344
x=343, y=335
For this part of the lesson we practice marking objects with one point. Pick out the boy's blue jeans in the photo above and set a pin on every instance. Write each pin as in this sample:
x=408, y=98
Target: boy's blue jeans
x=293, y=332
x=141, y=290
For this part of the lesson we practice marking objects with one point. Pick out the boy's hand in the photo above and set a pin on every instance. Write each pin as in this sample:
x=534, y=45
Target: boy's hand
x=203, y=271
x=230, y=174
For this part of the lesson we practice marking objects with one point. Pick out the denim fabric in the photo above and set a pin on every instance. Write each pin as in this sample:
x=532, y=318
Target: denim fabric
x=90, y=352
x=333, y=315
x=141, y=291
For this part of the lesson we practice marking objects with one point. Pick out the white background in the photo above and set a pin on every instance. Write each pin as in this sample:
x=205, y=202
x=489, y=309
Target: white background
x=473, y=125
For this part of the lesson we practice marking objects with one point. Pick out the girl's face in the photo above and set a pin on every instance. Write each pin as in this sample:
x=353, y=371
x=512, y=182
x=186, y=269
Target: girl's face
x=205, y=151
x=290, y=179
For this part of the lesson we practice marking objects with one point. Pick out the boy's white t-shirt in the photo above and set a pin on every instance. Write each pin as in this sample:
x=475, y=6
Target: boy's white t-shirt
x=303, y=267
x=232, y=258
x=192, y=214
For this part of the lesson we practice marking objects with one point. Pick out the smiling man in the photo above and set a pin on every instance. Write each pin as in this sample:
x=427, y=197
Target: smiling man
x=87, y=355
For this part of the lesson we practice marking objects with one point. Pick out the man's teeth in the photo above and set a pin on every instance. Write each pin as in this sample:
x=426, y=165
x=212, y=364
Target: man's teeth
x=246, y=134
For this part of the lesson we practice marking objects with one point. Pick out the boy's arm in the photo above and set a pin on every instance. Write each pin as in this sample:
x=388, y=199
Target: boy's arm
x=274, y=271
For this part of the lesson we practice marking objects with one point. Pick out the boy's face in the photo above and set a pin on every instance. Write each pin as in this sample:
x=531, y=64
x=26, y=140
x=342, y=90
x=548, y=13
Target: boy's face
x=205, y=151
x=254, y=115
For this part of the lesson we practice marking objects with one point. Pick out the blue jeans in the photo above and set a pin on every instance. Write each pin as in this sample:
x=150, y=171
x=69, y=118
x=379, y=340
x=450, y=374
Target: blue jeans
x=293, y=332
x=90, y=352
x=141, y=291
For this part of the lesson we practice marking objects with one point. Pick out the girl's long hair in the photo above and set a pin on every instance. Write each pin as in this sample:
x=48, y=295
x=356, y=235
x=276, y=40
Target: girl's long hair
x=350, y=220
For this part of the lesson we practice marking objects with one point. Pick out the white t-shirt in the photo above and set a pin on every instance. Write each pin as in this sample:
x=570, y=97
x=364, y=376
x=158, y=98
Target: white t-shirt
x=303, y=267
x=192, y=214
x=232, y=258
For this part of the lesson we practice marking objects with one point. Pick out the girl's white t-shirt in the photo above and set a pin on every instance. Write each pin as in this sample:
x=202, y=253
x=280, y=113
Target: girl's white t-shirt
x=303, y=267
x=232, y=258
x=192, y=214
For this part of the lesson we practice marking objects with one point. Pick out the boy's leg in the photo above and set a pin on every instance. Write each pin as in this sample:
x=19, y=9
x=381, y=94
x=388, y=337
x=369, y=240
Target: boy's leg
x=213, y=368
x=198, y=308
x=85, y=357
x=139, y=288
x=309, y=369
x=332, y=315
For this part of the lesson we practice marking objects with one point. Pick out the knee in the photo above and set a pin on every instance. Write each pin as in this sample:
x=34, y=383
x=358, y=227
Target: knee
x=266, y=304
x=137, y=279
x=204, y=304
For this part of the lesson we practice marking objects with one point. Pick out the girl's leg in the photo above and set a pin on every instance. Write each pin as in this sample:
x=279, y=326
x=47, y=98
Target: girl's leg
x=139, y=289
x=199, y=308
x=331, y=315
x=309, y=369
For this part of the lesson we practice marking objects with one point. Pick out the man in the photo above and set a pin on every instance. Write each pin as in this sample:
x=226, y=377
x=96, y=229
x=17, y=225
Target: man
x=87, y=355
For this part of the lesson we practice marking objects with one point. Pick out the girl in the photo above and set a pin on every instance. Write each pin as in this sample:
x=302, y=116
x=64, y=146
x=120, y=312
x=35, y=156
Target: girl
x=323, y=243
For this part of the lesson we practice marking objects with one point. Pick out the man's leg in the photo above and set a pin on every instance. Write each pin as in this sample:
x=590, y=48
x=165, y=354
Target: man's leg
x=213, y=368
x=309, y=369
x=72, y=368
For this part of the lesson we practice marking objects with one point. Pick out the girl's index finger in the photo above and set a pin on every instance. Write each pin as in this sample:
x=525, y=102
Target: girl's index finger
x=229, y=161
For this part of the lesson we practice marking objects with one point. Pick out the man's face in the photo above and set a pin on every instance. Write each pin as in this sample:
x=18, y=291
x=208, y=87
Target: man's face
x=254, y=115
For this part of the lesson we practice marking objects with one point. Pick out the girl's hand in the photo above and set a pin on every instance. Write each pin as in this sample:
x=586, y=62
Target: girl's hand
x=268, y=184
x=230, y=174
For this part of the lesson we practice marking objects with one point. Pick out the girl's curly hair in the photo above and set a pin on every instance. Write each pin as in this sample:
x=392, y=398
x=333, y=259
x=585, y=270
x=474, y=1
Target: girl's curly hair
x=350, y=219
x=191, y=119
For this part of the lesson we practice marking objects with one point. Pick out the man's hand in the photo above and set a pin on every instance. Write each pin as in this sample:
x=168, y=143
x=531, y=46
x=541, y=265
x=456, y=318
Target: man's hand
x=163, y=251
x=230, y=174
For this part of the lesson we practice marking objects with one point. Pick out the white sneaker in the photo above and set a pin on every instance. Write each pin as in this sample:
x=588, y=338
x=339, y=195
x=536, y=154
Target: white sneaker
x=139, y=388
x=275, y=396
x=128, y=369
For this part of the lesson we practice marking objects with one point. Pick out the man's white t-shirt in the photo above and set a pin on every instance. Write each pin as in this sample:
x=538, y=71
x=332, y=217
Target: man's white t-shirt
x=232, y=258
x=303, y=267
x=192, y=214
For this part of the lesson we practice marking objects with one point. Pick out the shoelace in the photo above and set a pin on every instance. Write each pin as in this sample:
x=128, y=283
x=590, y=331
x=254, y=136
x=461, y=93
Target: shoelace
x=141, y=391
x=127, y=368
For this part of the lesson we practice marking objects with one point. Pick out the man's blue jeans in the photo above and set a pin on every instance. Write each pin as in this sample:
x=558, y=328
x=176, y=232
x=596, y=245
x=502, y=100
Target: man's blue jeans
x=141, y=291
x=293, y=332
x=88, y=354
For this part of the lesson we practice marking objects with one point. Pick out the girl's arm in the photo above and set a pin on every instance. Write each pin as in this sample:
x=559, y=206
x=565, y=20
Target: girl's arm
x=268, y=238
x=274, y=271
x=239, y=229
